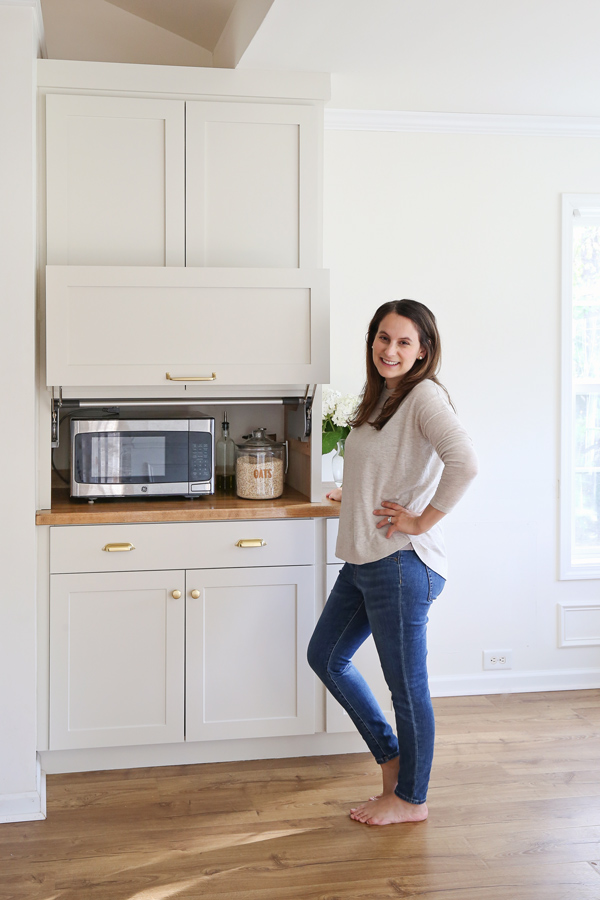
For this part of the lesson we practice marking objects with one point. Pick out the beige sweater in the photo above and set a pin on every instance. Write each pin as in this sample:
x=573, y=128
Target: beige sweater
x=422, y=455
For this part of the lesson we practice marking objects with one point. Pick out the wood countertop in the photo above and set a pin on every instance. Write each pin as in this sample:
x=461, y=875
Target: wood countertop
x=291, y=505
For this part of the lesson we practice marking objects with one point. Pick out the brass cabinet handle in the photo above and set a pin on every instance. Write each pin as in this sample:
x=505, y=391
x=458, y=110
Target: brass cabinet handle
x=170, y=377
x=252, y=542
x=195, y=594
x=118, y=548
x=176, y=595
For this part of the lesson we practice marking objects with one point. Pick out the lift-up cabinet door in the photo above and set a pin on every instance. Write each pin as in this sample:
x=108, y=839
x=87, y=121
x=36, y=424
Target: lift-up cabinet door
x=132, y=326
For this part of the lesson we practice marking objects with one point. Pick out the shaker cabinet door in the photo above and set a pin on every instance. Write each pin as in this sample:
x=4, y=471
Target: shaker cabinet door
x=173, y=328
x=246, y=639
x=252, y=184
x=116, y=659
x=115, y=181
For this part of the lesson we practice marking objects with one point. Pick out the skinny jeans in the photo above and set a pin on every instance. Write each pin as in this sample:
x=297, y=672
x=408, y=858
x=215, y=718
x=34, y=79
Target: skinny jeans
x=390, y=599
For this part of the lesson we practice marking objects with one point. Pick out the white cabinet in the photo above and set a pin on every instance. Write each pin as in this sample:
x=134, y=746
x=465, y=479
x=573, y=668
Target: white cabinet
x=127, y=326
x=115, y=181
x=116, y=659
x=251, y=185
x=124, y=174
x=128, y=624
x=366, y=659
x=246, y=637
x=183, y=243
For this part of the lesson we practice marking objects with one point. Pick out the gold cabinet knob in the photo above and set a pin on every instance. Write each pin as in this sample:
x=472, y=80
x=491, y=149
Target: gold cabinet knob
x=195, y=594
x=176, y=595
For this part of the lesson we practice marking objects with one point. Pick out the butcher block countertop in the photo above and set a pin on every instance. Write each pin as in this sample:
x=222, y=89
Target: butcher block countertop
x=291, y=505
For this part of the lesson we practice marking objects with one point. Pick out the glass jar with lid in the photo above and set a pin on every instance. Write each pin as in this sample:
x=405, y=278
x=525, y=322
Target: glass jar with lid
x=260, y=466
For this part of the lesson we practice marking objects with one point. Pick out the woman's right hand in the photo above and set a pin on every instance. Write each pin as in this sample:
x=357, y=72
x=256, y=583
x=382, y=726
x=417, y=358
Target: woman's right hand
x=335, y=494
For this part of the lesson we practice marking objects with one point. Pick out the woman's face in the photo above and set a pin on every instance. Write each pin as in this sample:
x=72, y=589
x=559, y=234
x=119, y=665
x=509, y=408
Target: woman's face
x=395, y=348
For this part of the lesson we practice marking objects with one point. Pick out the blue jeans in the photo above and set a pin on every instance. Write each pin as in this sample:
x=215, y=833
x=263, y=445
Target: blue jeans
x=390, y=599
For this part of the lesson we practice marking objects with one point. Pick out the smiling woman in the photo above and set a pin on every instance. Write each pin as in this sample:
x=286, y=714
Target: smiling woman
x=408, y=461
x=396, y=348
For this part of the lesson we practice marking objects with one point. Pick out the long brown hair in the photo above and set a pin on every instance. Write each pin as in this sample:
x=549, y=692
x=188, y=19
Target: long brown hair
x=428, y=367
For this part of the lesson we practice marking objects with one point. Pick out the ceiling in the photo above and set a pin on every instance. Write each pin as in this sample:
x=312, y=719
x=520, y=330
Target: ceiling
x=515, y=57
x=199, y=21
x=155, y=32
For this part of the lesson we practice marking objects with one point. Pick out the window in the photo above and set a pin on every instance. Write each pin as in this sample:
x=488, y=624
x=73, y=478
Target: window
x=580, y=451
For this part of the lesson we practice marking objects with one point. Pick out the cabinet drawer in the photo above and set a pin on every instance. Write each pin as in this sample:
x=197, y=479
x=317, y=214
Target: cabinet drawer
x=185, y=545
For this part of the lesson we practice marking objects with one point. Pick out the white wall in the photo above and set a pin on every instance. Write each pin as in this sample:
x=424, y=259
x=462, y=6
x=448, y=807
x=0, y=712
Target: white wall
x=470, y=226
x=19, y=783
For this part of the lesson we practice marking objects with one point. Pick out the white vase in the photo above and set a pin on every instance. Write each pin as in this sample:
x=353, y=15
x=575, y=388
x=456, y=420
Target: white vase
x=337, y=463
x=326, y=473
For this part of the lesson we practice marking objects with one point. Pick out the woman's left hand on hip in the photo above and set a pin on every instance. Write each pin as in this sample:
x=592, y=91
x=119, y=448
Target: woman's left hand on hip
x=397, y=518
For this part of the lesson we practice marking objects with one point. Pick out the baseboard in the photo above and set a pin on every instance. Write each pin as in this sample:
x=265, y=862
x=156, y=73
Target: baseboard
x=514, y=682
x=320, y=744
x=30, y=806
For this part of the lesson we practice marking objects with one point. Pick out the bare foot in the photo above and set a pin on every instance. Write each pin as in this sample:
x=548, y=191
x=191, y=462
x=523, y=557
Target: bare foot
x=389, y=810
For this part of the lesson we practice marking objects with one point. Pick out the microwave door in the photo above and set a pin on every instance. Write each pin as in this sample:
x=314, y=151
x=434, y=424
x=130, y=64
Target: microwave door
x=130, y=457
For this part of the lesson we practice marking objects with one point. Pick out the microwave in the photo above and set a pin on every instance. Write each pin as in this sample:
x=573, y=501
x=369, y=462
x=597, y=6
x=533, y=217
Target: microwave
x=142, y=457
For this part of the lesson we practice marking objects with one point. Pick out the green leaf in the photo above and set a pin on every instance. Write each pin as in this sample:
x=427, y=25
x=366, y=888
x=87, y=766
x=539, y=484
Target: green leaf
x=330, y=439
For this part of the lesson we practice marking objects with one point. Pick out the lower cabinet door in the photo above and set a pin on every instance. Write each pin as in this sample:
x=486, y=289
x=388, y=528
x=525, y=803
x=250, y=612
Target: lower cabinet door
x=367, y=662
x=246, y=638
x=116, y=659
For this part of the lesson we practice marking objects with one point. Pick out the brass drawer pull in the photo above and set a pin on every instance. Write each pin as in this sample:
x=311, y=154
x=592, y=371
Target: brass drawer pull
x=118, y=548
x=252, y=542
x=170, y=377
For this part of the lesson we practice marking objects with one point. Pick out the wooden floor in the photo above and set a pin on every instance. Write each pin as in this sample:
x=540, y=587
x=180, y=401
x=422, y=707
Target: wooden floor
x=514, y=815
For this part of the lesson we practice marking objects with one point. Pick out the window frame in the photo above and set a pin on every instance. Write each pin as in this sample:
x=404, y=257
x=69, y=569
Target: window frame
x=588, y=207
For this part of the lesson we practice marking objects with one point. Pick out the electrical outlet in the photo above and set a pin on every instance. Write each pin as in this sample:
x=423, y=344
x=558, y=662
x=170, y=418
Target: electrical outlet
x=497, y=659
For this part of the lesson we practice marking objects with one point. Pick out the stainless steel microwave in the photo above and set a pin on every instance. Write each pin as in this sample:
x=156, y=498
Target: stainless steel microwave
x=142, y=457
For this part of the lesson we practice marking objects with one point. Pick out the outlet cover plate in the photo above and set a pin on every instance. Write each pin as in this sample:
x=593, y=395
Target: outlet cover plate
x=497, y=660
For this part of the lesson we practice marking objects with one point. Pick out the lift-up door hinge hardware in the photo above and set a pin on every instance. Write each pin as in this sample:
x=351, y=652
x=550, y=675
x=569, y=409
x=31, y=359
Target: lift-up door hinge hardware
x=308, y=404
x=55, y=405
x=113, y=405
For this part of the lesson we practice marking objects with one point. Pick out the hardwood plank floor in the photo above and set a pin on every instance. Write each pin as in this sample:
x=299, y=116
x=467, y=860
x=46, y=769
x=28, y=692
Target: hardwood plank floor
x=514, y=815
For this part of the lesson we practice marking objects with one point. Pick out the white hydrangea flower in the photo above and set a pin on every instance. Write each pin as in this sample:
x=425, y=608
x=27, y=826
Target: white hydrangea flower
x=346, y=406
x=330, y=399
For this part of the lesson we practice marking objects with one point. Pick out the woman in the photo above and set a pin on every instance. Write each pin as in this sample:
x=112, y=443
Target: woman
x=407, y=462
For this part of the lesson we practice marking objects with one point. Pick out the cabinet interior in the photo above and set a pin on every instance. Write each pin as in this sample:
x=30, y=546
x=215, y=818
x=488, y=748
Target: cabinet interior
x=282, y=423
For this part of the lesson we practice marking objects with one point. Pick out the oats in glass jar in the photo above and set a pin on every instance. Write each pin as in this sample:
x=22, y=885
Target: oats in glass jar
x=259, y=477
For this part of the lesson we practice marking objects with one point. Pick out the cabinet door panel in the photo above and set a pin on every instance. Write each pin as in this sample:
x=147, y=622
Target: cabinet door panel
x=251, y=185
x=116, y=659
x=247, y=633
x=128, y=326
x=367, y=662
x=115, y=181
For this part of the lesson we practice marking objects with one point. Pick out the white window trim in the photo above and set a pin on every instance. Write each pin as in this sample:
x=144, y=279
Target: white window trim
x=587, y=205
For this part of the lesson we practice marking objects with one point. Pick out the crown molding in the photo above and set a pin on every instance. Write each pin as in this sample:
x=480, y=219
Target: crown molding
x=461, y=123
x=36, y=6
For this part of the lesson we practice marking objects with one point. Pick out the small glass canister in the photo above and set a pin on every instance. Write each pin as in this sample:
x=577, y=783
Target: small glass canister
x=260, y=466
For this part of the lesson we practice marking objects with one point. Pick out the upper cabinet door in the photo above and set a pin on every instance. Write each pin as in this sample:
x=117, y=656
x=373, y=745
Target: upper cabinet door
x=180, y=327
x=252, y=185
x=115, y=181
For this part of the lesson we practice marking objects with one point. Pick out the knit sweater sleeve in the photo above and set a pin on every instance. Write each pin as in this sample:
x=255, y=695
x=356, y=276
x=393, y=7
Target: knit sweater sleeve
x=439, y=424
